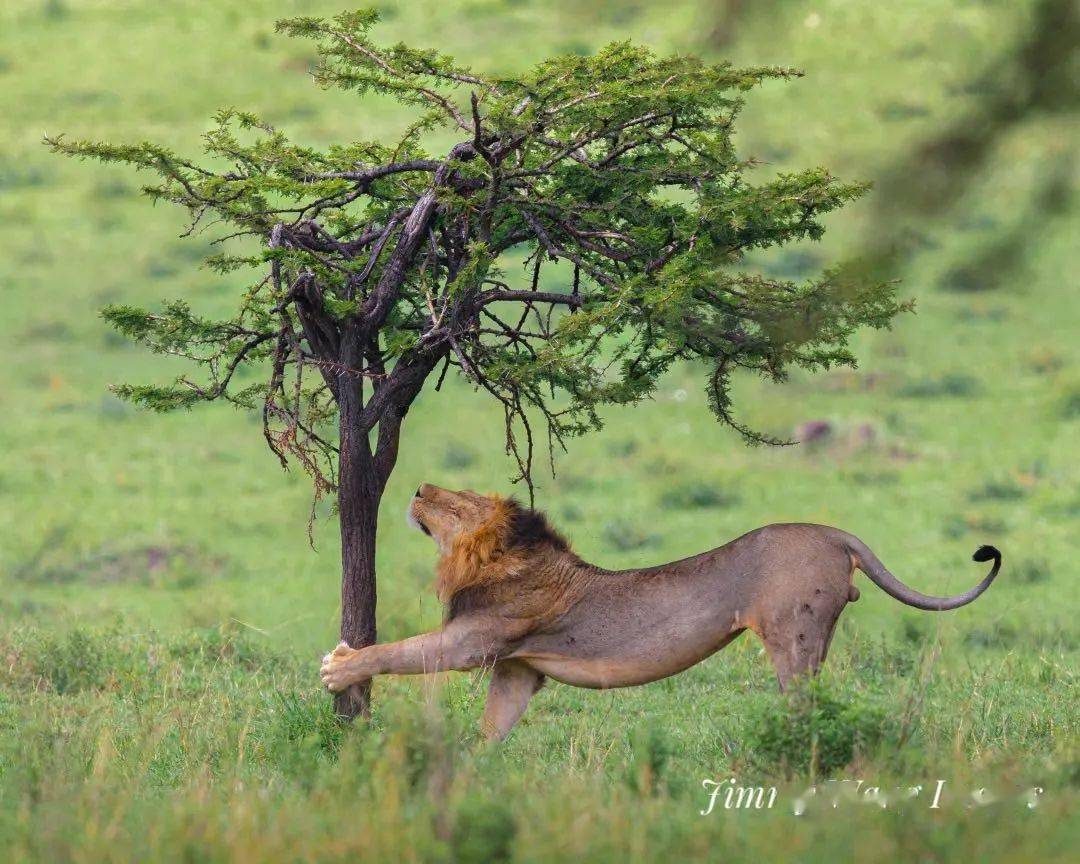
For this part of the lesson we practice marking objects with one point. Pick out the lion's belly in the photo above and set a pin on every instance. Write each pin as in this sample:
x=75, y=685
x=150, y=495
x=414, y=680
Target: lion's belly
x=598, y=674
x=601, y=667
x=633, y=630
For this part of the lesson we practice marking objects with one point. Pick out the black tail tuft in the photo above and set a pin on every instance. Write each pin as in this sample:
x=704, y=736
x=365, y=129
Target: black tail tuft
x=986, y=553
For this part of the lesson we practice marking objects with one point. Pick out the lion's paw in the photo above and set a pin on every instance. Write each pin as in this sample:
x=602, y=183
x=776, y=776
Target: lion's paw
x=334, y=674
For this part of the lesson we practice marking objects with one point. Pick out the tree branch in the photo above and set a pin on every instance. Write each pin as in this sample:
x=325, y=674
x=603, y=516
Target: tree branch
x=413, y=233
x=534, y=297
x=368, y=175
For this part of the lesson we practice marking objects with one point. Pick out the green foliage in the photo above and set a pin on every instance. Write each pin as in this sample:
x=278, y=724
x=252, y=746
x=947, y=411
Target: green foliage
x=1070, y=405
x=310, y=720
x=483, y=832
x=699, y=495
x=1032, y=570
x=623, y=535
x=999, y=490
x=816, y=730
x=160, y=399
x=615, y=171
x=650, y=751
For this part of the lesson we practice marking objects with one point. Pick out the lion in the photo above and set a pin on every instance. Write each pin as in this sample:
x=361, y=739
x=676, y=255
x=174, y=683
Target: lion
x=518, y=599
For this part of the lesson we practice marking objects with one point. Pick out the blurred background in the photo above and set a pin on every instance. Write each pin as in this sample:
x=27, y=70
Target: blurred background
x=960, y=426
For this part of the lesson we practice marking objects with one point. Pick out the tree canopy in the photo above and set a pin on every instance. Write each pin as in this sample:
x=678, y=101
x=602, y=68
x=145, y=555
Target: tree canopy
x=580, y=232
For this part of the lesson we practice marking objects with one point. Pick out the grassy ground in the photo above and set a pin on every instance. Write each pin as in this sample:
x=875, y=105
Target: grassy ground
x=161, y=614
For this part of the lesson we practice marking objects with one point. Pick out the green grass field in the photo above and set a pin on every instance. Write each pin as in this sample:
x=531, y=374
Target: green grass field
x=162, y=614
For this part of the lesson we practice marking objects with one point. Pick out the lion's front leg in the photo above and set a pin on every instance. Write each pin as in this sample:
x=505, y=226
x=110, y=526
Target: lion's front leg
x=513, y=684
x=459, y=646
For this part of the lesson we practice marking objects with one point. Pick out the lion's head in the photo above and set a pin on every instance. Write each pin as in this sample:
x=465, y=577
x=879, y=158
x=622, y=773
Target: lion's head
x=481, y=538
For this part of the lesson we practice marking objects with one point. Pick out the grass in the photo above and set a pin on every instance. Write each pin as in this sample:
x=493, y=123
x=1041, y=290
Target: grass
x=220, y=746
x=162, y=614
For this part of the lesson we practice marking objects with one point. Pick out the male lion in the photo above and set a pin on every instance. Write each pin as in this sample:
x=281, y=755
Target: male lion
x=519, y=600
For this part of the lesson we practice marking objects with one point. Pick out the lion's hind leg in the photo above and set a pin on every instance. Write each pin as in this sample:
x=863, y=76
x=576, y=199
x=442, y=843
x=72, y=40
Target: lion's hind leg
x=512, y=685
x=797, y=640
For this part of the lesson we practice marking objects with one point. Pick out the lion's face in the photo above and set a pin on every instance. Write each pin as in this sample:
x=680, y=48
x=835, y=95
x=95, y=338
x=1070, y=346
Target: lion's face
x=446, y=515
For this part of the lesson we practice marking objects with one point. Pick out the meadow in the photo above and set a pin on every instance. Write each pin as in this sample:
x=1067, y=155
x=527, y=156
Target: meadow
x=162, y=613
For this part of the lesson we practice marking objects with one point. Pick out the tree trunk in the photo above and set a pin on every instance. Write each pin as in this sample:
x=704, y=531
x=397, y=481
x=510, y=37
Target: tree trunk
x=359, y=493
x=362, y=477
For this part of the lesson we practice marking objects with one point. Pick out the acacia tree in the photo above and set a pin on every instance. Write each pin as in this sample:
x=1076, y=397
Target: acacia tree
x=609, y=182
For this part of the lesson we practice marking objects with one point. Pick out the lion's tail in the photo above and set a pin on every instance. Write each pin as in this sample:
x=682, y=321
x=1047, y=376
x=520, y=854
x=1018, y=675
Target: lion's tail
x=868, y=562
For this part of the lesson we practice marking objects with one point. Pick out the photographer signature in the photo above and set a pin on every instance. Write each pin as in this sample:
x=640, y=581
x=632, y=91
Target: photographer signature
x=730, y=795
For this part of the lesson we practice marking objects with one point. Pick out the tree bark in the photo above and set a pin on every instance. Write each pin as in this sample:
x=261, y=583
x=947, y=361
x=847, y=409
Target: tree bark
x=359, y=494
x=362, y=477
